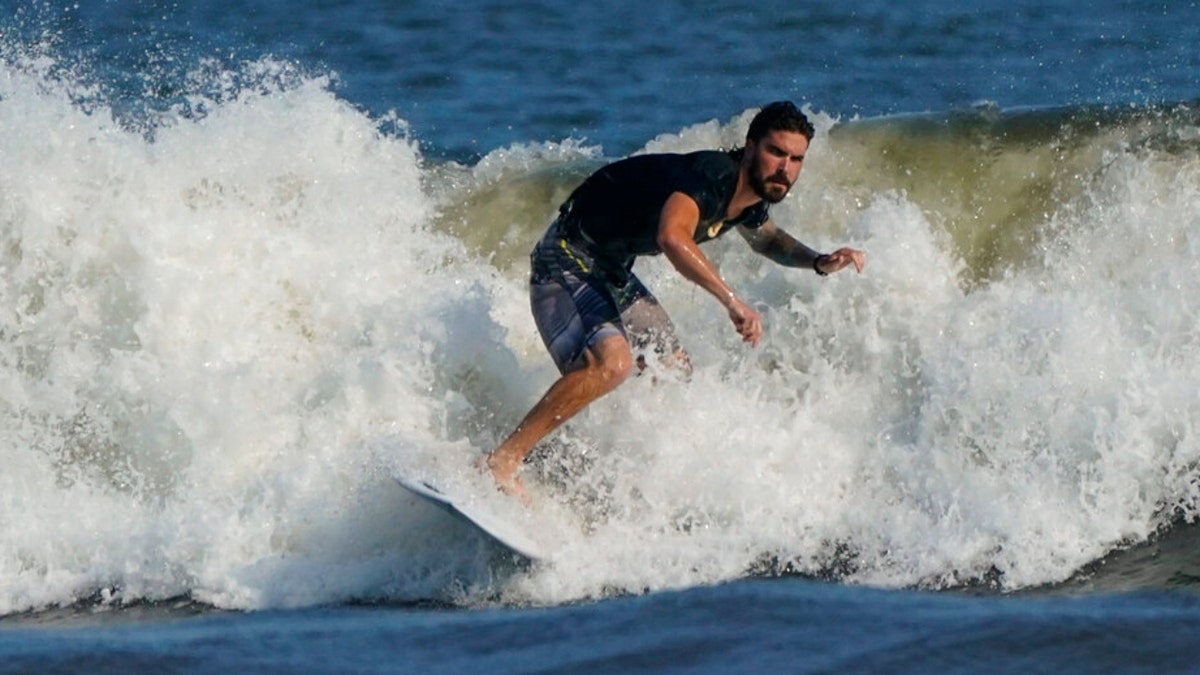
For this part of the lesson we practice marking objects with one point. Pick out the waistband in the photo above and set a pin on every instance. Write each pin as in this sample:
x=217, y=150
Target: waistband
x=571, y=227
x=566, y=229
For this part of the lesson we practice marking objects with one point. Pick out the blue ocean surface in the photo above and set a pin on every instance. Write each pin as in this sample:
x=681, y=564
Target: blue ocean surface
x=258, y=259
x=471, y=79
x=745, y=627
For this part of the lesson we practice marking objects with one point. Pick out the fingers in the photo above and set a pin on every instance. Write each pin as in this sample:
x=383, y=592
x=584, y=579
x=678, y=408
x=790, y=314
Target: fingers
x=846, y=256
x=747, y=322
x=860, y=260
x=751, y=335
x=751, y=331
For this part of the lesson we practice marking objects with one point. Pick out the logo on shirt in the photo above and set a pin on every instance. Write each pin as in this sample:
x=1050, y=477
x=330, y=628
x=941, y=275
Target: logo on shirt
x=715, y=229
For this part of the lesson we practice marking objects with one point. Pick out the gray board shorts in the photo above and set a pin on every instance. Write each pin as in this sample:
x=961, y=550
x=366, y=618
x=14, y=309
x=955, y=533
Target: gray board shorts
x=577, y=301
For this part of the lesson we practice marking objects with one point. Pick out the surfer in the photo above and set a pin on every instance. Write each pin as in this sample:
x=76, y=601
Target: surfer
x=590, y=308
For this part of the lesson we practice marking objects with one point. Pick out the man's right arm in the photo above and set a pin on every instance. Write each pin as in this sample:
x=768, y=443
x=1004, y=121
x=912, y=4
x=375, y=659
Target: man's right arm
x=676, y=238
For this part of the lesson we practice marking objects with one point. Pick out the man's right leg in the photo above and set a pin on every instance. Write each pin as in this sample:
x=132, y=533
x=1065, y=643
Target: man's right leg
x=577, y=316
x=606, y=365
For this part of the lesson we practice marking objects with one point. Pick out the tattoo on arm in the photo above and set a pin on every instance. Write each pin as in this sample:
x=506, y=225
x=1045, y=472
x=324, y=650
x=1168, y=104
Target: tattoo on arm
x=786, y=250
x=781, y=247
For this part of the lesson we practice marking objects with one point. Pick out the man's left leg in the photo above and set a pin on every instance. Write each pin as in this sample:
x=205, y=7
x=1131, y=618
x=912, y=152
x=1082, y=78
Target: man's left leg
x=649, y=326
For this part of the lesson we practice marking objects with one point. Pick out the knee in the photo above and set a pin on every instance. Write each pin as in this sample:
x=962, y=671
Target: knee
x=617, y=370
x=612, y=362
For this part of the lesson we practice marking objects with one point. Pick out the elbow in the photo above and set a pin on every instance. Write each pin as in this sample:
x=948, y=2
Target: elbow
x=762, y=248
x=685, y=260
x=671, y=246
x=664, y=241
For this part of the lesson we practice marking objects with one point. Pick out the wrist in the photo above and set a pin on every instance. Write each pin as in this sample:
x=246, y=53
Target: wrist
x=816, y=265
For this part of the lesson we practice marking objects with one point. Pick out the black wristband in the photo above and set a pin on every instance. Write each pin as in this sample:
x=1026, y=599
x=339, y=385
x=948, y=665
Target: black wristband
x=817, y=265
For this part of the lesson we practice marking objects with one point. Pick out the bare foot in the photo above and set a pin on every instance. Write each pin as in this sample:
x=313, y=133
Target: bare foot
x=507, y=480
x=514, y=487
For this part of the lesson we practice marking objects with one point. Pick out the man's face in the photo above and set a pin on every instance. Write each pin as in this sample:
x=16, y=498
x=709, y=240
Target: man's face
x=775, y=163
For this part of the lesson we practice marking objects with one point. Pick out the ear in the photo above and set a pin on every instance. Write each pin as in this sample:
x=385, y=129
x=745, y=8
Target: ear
x=748, y=152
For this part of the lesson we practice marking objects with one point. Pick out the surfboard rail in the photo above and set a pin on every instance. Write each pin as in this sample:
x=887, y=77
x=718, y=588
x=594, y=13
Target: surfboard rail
x=490, y=526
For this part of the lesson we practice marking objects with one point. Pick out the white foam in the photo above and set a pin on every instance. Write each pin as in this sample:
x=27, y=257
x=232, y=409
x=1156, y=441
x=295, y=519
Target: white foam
x=219, y=345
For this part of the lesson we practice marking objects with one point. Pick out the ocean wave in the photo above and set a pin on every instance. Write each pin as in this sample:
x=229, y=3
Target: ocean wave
x=223, y=338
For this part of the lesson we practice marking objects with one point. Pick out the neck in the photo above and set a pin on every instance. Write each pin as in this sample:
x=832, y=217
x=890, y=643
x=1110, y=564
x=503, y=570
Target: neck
x=744, y=196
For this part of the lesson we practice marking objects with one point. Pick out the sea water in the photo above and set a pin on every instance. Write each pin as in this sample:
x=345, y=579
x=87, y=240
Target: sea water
x=258, y=259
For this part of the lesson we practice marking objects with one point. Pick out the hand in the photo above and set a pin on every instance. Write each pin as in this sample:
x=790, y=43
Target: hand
x=841, y=258
x=746, y=320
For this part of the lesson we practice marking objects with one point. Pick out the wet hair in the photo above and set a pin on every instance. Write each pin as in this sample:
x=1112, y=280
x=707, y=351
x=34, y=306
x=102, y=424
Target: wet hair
x=779, y=116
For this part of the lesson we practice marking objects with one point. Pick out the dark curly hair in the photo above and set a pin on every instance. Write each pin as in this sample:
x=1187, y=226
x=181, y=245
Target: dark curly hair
x=779, y=116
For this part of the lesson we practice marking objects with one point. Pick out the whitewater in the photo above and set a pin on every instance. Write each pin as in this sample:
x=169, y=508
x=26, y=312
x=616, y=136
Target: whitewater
x=228, y=326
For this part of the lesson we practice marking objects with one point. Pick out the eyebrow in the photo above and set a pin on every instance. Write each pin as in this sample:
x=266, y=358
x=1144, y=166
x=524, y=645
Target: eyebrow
x=775, y=149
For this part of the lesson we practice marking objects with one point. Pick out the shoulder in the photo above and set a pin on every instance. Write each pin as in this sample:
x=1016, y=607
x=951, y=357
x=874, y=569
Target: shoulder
x=709, y=171
x=712, y=163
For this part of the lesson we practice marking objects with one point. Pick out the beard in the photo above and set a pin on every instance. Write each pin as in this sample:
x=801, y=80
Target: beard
x=771, y=190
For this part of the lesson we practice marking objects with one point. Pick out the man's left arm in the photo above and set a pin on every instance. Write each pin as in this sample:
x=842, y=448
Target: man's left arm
x=779, y=246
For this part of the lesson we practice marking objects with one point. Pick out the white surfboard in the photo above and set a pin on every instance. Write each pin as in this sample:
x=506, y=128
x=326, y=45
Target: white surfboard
x=493, y=528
